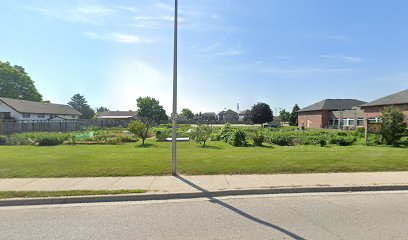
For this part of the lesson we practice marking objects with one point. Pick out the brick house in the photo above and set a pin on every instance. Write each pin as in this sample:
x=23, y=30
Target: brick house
x=332, y=113
x=372, y=110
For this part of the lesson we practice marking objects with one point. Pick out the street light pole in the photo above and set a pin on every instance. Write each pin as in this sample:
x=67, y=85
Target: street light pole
x=174, y=114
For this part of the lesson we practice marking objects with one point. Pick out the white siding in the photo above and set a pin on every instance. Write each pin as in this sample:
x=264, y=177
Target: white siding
x=13, y=113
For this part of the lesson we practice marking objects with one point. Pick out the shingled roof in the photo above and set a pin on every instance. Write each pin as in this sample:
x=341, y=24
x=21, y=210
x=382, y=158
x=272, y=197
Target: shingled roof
x=25, y=106
x=333, y=104
x=117, y=114
x=393, y=99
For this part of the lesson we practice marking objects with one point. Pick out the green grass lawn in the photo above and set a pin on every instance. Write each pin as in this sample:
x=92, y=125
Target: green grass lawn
x=219, y=158
x=28, y=194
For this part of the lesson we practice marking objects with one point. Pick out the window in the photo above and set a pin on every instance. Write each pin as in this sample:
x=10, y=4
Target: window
x=351, y=122
x=360, y=122
x=41, y=115
x=26, y=115
x=73, y=116
x=5, y=115
x=344, y=122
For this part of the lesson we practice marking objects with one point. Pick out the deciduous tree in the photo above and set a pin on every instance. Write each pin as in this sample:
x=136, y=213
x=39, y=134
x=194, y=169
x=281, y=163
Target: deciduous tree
x=16, y=83
x=261, y=113
x=392, y=127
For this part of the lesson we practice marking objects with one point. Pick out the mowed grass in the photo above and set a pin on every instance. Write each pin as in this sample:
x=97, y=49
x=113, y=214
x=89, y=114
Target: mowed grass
x=30, y=194
x=219, y=158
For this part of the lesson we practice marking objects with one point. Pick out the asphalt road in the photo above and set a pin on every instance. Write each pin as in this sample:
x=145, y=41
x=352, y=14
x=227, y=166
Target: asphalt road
x=297, y=216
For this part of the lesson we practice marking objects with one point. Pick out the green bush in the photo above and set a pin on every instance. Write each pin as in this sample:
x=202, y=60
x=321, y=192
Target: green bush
x=39, y=138
x=322, y=142
x=3, y=140
x=237, y=138
x=280, y=140
x=342, y=140
x=258, y=138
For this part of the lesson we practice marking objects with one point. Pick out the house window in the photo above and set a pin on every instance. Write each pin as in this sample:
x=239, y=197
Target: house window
x=351, y=122
x=360, y=122
x=26, y=115
x=344, y=122
x=41, y=115
x=73, y=116
x=5, y=115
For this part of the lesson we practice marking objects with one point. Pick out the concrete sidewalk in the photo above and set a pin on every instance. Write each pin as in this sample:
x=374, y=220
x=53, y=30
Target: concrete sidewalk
x=210, y=183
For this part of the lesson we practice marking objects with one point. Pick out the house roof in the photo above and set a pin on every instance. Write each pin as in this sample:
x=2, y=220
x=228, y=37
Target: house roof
x=117, y=114
x=393, y=99
x=245, y=112
x=229, y=111
x=209, y=114
x=25, y=106
x=333, y=104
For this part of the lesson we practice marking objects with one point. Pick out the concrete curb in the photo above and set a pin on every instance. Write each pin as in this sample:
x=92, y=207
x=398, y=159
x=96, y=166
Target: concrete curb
x=170, y=196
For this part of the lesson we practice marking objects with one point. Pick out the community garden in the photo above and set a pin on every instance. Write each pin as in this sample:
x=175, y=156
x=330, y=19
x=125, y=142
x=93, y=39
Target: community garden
x=211, y=150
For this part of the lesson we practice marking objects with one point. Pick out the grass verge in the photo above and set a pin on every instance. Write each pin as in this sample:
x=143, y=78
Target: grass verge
x=30, y=194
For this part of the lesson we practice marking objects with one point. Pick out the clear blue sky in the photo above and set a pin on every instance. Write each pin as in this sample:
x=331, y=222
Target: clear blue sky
x=230, y=51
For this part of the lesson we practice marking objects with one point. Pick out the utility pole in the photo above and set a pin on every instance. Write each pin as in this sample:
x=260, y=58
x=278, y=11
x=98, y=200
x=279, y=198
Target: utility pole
x=174, y=114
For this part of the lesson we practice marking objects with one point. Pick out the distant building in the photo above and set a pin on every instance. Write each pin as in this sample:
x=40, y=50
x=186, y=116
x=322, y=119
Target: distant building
x=117, y=115
x=372, y=110
x=23, y=110
x=245, y=116
x=332, y=113
x=209, y=116
x=228, y=116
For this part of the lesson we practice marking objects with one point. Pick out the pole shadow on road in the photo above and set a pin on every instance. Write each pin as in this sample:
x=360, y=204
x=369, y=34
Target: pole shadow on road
x=240, y=212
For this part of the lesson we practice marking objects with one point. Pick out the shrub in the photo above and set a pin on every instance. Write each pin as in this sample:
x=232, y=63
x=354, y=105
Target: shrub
x=393, y=126
x=237, y=138
x=280, y=140
x=3, y=140
x=258, y=138
x=322, y=142
x=40, y=138
x=202, y=133
x=139, y=129
x=342, y=140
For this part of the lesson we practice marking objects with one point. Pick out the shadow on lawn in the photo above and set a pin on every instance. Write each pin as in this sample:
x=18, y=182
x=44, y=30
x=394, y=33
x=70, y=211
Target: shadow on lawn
x=209, y=147
x=146, y=145
x=238, y=211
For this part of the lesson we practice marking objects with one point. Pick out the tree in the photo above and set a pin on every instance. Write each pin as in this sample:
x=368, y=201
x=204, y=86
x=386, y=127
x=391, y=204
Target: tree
x=150, y=111
x=284, y=115
x=139, y=129
x=261, y=113
x=293, y=121
x=79, y=103
x=15, y=83
x=393, y=126
x=187, y=113
x=101, y=109
x=202, y=133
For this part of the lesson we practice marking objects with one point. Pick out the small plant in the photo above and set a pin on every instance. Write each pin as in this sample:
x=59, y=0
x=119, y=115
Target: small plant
x=322, y=142
x=139, y=129
x=342, y=140
x=237, y=138
x=258, y=138
x=202, y=134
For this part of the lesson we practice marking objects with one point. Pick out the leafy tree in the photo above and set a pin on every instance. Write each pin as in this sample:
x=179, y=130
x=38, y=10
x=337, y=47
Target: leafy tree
x=393, y=126
x=284, y=115
x=139, y=129
x=187, y=113
x=202, y=133
x=15, y=83
x=261, y=113
x=79, y=103
x=102, y=109
x=293, y=121
x=150, y=111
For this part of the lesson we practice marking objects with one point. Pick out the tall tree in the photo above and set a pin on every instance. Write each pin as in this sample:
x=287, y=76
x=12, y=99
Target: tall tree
x=187, y=113
x=293, y=121
x=393, y=126
x=16, y=83
x=79, y=103
x=102, y=109
x=150, y=111
x=261, y=113
x=284, y=115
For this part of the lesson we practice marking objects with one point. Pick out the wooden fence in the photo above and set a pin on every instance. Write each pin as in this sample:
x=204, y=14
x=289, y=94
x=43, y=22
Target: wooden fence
x=7, y=128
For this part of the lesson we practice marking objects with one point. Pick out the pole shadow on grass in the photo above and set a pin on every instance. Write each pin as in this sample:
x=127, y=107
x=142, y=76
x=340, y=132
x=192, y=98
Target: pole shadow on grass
x=238, y=211
x=146, y=145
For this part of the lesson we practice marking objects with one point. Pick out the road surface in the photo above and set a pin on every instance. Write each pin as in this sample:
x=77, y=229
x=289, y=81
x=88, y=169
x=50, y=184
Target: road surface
x=381, y=215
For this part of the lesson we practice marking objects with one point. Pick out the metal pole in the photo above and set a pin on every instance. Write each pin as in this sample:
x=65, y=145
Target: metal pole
x=174, y=114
